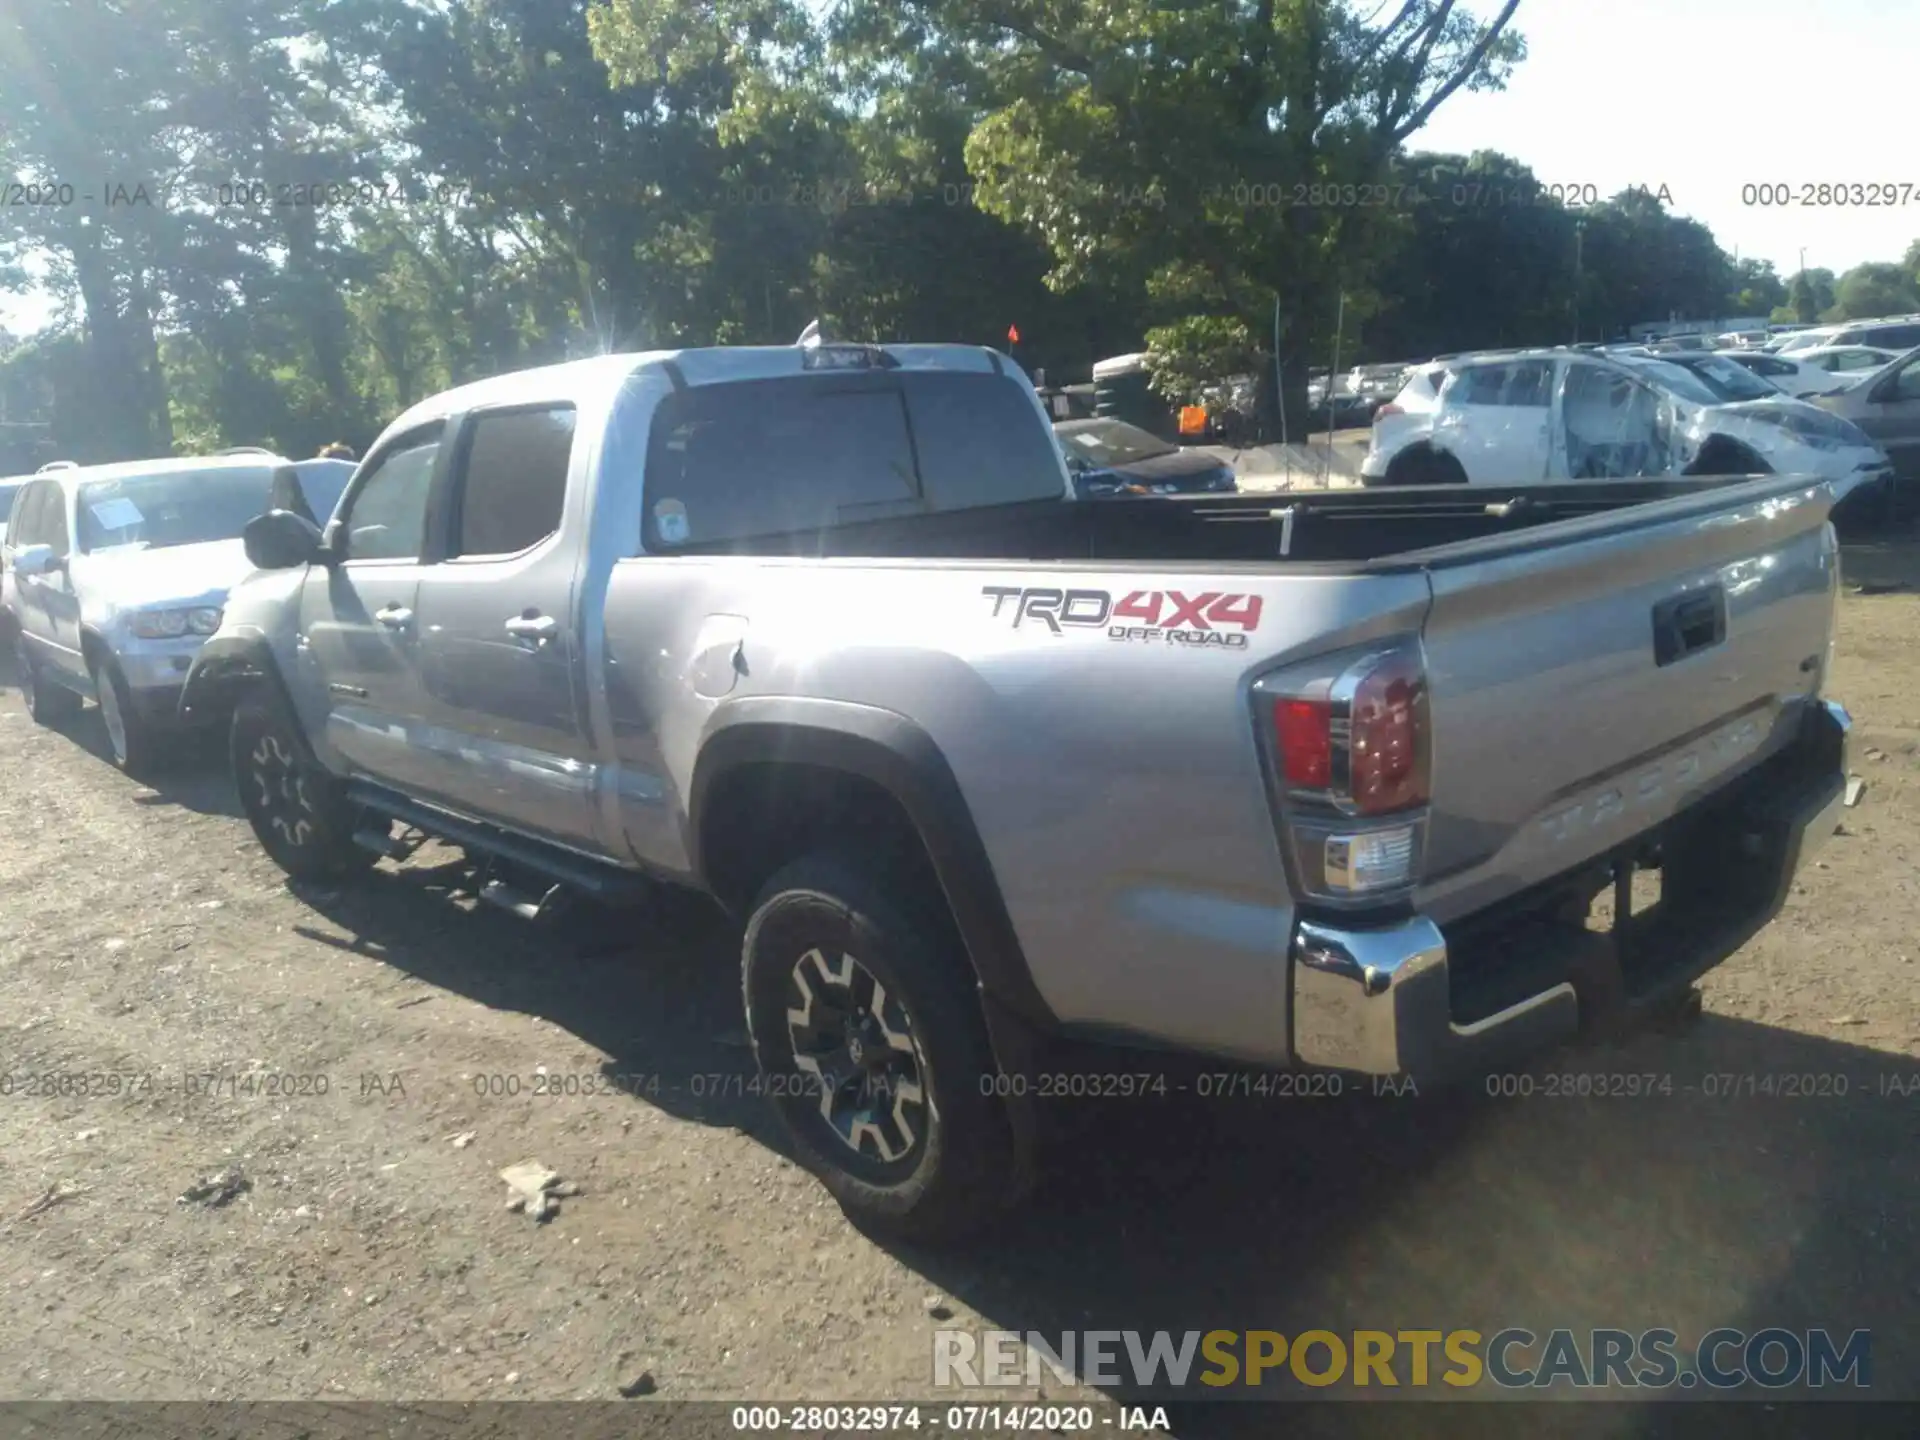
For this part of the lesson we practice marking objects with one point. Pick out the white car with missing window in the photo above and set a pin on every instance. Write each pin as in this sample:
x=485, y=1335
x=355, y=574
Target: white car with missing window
x=1563, y=415
x=115, y=575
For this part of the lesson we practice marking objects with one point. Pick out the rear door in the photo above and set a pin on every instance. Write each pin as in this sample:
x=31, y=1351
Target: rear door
x=1567, y=720
x=499, y=642
x=359, y=640
x=57, y=596
x=30, y=507
x=1496, y=421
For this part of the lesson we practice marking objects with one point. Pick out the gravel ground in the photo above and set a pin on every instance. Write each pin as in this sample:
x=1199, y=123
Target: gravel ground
x=360, y=1064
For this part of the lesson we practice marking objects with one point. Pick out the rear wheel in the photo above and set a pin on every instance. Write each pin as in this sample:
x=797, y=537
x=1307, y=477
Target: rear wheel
x=868, y=1030
x=299, y=811
x=1426, y=467
x=47, y=703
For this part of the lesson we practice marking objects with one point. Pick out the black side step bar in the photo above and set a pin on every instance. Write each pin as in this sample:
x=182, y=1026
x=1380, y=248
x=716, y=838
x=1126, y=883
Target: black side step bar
x=577, y=872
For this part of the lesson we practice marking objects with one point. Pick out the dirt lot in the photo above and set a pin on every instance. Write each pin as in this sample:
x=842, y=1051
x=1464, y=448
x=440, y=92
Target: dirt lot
x=143, y=935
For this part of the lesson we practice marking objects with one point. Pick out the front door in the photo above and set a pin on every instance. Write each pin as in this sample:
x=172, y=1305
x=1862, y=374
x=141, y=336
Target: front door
x=359, y=640
x=1891, y=415
x=1611, y=427
x=499, y=647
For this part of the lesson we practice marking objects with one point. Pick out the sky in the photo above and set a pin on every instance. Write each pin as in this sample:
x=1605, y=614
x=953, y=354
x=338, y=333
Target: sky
x=1707, y=97
x=1703, y=97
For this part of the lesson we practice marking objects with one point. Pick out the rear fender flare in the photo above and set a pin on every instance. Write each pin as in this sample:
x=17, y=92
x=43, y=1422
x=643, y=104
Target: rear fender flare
x=902, y=759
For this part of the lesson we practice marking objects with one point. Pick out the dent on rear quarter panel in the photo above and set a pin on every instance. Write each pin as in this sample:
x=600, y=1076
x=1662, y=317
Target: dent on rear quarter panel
x=1114, y=784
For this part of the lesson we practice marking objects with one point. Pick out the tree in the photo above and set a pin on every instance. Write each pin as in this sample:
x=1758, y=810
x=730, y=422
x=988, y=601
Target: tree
x=1809, y=292
x=1758, y=289
x=1201, y=156
x=1875, y=289
x=1484, y=259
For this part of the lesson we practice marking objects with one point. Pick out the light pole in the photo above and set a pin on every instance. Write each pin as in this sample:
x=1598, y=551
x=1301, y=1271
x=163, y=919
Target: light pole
x=1579, y=232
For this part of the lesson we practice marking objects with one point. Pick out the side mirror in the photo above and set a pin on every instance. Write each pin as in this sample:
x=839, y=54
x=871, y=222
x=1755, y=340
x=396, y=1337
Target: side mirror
x=282, y=540
x=32, y=560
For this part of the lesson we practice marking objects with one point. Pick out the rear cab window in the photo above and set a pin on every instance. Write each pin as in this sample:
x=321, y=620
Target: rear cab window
x=736, y=461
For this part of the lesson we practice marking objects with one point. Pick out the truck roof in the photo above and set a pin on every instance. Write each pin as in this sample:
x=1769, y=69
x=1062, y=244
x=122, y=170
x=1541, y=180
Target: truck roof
x=700, y=366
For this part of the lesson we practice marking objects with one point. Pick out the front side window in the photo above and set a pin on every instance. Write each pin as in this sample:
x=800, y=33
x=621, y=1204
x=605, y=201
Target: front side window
x=514, y=481
x=1906, y=381
x=386, y=516
x=26, y=525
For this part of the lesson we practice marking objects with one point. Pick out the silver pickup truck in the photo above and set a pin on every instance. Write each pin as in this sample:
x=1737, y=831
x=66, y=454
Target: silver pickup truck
x=1327, y=780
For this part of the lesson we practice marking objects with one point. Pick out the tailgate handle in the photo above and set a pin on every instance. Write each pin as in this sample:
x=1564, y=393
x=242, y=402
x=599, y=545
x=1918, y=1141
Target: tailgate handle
x=1687, y=624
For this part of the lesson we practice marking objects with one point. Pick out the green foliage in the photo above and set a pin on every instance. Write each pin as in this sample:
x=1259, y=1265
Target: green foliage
x=1875, y=289
x=1188, y=356
x=506, y=183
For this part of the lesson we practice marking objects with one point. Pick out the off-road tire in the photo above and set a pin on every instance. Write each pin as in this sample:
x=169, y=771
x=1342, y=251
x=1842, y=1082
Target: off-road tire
x=961, y=1175
x=299, y=811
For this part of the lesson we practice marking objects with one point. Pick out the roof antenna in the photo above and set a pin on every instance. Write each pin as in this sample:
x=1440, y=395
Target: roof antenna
x=814, y=335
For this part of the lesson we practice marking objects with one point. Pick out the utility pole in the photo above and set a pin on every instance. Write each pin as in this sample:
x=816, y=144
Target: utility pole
x=1579, y=233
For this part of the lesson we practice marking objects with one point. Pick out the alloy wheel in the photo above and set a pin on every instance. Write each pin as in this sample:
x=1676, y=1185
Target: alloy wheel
x=280, y=784
x=856, y=1043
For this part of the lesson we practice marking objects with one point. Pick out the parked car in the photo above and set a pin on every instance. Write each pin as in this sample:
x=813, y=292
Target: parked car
x=1848, y=362
x=1886, y=405
x=1796, y=374
x=1808, y=339
x=1560, y=415
x=1896, y=333
x=1109, y=457
x=1729, y=381
x=116, y=574
x=822, y=632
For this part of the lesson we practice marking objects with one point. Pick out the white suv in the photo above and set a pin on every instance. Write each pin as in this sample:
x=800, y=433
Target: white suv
x=1561, y=415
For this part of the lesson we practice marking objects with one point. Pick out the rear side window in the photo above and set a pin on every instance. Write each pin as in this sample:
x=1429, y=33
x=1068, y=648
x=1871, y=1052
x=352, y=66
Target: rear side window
x=514, y=481
x=1524, y=383
x=1888, y=337
x=733, y=461
x=979, y=442
x=1479, y=385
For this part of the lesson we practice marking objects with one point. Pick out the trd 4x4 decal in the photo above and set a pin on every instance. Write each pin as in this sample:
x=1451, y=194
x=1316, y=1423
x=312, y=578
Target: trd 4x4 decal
x=1210, y=618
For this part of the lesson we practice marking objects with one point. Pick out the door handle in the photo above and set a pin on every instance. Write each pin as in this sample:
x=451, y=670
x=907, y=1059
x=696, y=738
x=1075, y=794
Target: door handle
x=537, y=628
x=394, y=617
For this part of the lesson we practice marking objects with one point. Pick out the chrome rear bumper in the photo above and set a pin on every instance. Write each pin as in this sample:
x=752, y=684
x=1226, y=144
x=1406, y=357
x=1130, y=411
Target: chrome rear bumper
x=1379, y=1000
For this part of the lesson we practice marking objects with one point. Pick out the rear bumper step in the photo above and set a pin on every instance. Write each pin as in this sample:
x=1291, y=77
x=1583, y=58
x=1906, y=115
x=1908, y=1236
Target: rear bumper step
x=1382, y=1001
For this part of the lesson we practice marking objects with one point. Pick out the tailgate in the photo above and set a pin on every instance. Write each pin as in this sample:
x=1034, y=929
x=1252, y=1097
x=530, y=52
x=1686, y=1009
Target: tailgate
x=1591, y=678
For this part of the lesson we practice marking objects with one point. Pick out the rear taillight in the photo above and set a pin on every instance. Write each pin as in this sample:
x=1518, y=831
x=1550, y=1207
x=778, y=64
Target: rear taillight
x=1387, y=749
x=1387, y=409
x=1305, y=729
x=1352, y=753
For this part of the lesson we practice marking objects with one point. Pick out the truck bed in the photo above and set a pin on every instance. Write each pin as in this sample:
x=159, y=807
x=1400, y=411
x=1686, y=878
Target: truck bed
x=1307, y=527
